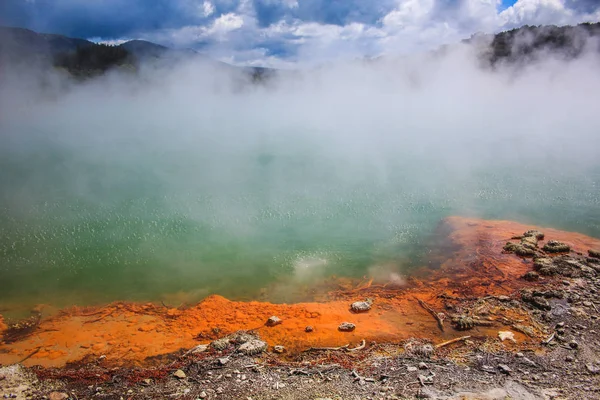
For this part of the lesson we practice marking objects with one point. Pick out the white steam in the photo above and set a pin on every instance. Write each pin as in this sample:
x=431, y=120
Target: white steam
x=314, y=161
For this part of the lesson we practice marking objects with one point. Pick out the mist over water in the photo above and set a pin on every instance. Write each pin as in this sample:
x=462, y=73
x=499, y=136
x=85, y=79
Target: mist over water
x=181, y=183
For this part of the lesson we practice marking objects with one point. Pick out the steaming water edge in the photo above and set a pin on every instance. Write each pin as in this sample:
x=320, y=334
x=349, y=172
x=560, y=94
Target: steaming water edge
x=76, y=230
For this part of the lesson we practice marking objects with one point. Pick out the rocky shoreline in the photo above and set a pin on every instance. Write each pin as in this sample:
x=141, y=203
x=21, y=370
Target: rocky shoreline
x=507, y=314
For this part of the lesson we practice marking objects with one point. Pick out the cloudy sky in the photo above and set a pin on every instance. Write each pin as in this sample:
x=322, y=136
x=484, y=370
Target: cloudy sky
x=285, y=32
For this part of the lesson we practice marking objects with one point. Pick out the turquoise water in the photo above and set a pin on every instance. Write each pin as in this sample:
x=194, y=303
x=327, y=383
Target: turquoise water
x=174, y=190
x=80, y=227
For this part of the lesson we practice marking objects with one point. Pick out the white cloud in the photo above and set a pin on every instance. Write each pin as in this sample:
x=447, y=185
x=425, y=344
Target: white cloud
x=208, y=8
x=408, y=13
x=412, y=25
x=226, y=23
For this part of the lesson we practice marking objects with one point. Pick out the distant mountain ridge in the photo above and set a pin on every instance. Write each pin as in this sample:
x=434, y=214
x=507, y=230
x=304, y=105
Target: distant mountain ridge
x=83, y=58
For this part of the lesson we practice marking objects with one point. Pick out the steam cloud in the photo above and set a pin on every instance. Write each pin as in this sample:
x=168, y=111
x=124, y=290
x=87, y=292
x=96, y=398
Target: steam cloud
x=366, y=155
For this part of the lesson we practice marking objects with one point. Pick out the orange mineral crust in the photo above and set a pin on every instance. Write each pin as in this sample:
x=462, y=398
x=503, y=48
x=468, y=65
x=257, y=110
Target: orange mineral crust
x=469, y=262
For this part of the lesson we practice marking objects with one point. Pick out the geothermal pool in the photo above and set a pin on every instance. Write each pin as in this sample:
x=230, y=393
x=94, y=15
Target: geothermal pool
x=259, y=221
x=176, y=187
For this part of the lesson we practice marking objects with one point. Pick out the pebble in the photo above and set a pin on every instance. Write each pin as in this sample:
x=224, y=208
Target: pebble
x=361, y=306
x=223, y=361
x=411, y=369
x=202, y=395
x=252, y=347
x=504, y=368
x=278, y=349
x=346, y=327
x=573, y=344
x=179, y=374
x=201, y=348
x=592, y=368
x=309, y=329
x=422, y=365
x=273, y=320
x=569, y=358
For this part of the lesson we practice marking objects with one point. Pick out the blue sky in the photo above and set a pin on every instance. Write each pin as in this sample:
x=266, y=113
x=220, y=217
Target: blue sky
x=280, y=32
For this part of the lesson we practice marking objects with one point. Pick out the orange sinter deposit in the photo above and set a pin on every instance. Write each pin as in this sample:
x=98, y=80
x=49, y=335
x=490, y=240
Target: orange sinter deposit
x=468, y=268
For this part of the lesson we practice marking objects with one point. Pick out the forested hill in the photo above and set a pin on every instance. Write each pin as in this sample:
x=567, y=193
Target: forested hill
x=527, y=43
x=82, y=59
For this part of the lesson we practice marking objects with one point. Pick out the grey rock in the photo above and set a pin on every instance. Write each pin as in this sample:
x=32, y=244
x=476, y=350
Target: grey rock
x=203, y=395
x=253, y=347
x=272, y=321
x=278, y=349
x=220, y=344
x=505, y=369
x=179, y=374
x=223, y=361
x=594, y=253
x=531, y=276
x=346, y=327
x=201, y=348
x=361, y=306
x=534, y=233
x=594, y=369
x=573, y=344
x=554, y=246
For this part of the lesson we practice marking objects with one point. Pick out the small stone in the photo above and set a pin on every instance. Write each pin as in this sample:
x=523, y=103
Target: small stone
x=147, y=381
x=201, y=348
x=594, y=253
x=220, y=344
x=573, y=344
x=411, y=369
x=361, y=306
x=220, y=390
x=422, y=365
x=253, y=347
x=569, y=358
x=346, y=327
x=223, y=361
x=531, y=276
x=520, y=355
x=506, y=335
x=202, y=395
x=593, y=368
x=309, y=329
x=505, y=369
x=58, y=396
x=534, y=233
x=179, y=374
x=554, y=246
x=587, y=303
x=278, y=349
x=273, y=320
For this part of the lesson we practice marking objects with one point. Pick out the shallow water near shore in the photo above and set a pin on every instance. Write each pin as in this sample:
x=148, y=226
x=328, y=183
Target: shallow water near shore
x=272, y=224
